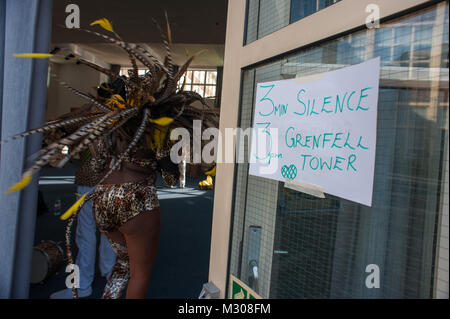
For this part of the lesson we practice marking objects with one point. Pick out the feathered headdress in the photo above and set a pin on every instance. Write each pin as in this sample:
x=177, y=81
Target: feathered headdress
x=153, y=100
x=153, y=103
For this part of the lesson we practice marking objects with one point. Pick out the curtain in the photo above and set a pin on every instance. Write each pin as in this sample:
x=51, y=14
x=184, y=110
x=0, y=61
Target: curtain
x=26, y=28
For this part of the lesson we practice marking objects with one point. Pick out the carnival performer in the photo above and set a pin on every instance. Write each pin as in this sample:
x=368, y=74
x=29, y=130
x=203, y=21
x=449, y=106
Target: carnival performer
x=85, y=235
x=130, y=128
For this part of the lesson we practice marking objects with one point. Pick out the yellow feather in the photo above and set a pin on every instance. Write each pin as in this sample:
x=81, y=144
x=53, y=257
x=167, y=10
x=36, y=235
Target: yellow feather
x=207, y=183
x=33, y=55
x=104, y=23
x=156, y=136
x=164, y=131
x=162, y=121
x=149, y=140
x=159, y=136
x=169, y=33
x=115, y=101
x=73, y=208
x=131, y=102
x=211, y=172
x=20, y=185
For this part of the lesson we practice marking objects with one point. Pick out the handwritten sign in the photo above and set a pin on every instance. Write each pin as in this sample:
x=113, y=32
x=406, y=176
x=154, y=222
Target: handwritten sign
x=320, y=131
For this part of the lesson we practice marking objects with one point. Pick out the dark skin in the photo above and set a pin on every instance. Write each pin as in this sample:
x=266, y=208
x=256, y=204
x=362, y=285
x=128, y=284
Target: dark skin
x=140, y=234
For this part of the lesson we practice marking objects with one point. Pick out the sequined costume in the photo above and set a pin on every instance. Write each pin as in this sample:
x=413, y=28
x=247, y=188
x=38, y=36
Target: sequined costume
x=120, y=274
x=115, y=204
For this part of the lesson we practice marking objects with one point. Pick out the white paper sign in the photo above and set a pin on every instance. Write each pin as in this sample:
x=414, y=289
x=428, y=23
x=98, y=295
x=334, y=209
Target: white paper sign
x=320, y=131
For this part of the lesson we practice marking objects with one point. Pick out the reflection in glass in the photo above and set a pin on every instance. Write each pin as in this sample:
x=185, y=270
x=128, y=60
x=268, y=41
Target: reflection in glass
x=198, y=77
x=210, y=91
x=200, y=89
x=211, y=77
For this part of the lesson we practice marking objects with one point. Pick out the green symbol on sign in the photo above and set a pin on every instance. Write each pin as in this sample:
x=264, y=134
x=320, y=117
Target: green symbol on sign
x=238, y=292
x=289, y=172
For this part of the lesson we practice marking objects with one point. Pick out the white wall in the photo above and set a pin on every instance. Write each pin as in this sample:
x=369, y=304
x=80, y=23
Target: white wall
x=59, y=99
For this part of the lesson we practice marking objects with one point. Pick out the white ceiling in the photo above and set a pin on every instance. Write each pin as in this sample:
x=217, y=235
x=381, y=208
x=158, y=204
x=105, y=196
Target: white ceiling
x=212, y=55
x=195, y=25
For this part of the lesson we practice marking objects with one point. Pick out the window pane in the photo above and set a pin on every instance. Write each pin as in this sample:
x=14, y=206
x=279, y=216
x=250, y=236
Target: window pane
x=252, y=21
x=199, y=77
x=211, y=77
x=402, y=35
x=422, y=52
x=188, y=77
x=319, y=248
x=124, y=71
x=210, y=91
x=323, y=4
x=181, y=81
x=384, y=53
x=423, y=33
x=383, y=36
x=200, y=89
x=312, y=56
x=267, y=16
x=273, y=15
x=195, y=81
x=402, y=53
x=302, y=8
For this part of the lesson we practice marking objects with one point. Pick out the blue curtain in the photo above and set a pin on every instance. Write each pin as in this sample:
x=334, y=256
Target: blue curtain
x=25, y=27
x=2, y=49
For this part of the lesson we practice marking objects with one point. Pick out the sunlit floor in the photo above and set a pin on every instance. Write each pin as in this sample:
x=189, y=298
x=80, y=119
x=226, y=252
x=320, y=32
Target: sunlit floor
x=181, y=267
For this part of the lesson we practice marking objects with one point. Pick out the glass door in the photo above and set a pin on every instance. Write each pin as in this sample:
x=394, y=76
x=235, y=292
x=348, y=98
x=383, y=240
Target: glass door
x=307, y=247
